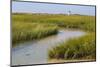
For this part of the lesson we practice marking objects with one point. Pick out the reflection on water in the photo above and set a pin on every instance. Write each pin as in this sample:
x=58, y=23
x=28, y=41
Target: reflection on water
x=36, y=52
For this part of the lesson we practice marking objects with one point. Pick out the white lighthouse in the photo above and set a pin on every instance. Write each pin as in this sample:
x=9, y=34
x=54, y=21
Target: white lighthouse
x=69, y=13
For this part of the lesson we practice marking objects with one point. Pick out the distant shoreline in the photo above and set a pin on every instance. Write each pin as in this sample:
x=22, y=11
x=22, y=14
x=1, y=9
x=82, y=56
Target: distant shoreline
x=49, y=14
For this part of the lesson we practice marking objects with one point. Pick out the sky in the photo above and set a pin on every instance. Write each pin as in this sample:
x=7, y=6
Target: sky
x=32, y=7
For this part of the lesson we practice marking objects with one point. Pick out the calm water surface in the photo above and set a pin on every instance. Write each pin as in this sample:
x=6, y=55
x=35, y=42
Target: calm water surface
x=36, y=52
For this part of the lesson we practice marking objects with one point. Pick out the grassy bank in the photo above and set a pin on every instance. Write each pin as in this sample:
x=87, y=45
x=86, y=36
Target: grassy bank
x=77, y=48
x=29, y=31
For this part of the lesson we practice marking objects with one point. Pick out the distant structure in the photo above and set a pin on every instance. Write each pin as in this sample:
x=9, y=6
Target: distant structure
x=69, y=13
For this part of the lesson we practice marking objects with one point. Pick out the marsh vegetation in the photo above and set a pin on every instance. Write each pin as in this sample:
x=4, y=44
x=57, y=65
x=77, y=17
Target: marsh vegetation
x=77, y=48
x=27, y=27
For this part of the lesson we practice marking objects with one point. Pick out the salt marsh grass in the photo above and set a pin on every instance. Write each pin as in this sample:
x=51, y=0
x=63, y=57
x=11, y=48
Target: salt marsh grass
x=82, y=22
x=78, y=48
x=29, y=31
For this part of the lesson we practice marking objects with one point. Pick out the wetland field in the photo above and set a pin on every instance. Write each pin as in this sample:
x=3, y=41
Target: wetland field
x=40, y=38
